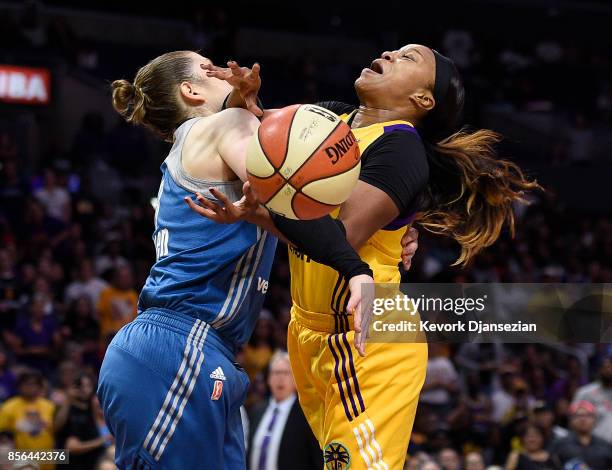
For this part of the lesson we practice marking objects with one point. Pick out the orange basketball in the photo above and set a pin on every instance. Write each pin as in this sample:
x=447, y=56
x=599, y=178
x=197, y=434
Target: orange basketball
x=303, y=162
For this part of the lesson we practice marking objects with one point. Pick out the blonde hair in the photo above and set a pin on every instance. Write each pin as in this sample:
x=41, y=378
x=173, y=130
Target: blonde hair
x=152, y=100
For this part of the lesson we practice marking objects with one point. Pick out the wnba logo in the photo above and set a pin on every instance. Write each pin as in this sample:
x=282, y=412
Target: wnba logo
x=337, y=457
x=217, y=390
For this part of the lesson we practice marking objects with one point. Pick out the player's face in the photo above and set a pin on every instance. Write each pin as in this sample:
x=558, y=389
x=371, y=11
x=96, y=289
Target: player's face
x=207, y=84
x=396, y=75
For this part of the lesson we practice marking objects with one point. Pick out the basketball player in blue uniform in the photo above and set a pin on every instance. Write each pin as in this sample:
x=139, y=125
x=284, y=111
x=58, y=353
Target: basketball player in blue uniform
x=169, y=386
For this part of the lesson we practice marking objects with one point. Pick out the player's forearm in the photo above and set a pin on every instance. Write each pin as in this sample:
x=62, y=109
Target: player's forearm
x=324, y=241
x=262, y=218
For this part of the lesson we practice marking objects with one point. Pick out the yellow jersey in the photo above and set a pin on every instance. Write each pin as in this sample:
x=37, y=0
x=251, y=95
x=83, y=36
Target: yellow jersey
x=319, y=289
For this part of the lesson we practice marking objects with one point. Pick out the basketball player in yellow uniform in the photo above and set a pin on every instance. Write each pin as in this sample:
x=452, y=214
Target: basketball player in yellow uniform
x=361, y=407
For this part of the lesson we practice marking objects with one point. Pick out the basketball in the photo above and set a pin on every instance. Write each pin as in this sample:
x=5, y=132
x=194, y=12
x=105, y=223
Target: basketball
x=303, y=162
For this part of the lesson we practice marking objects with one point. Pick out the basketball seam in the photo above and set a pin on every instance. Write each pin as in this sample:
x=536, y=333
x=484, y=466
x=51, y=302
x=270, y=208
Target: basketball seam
x=311, y=198
x=277, y=170
x=314, y=151
x=287, y=181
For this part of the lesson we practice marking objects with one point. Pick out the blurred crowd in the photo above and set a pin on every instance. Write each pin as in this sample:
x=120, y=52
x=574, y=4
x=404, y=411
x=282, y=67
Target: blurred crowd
x=75, y=247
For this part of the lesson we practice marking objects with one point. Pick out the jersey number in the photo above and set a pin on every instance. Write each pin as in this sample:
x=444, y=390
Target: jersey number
x=161, y=243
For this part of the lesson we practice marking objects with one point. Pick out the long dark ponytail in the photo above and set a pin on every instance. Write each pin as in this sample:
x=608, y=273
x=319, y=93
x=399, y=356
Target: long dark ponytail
x=471, y=191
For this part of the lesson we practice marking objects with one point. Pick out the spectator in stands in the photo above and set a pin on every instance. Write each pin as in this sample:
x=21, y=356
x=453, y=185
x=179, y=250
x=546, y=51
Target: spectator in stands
x=581, y=444
x=449, y=459
x=599, y=393
x=503, y=398
x=440, y=382
x=8, y=288
x=473, y=461
x=77, y=426
x=111, y=259
x=533, y=455
x=280, y=435
x=80, y=326
x=8, y=382
x=118, y=303
x=54, y=197
x=36, y=338
x=544, y=419
x=28, y=417
x=85, y=283
x=259, y=350
x=39, y=230
x=567, y=385
x=66, y=375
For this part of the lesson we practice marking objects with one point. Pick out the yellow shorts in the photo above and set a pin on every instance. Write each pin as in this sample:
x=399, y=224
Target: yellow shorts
x=361, y=409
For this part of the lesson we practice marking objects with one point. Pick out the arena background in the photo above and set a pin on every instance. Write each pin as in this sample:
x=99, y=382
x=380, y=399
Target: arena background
x=77, y=182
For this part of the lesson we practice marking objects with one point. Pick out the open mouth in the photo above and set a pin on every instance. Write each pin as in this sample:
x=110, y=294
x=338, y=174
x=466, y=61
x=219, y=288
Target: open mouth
x=377, y=67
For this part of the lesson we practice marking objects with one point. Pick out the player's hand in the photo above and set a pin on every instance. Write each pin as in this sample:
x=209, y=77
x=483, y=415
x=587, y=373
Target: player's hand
x=410, y=244
x=360, y=305
x=226, y=212
x=244, y=80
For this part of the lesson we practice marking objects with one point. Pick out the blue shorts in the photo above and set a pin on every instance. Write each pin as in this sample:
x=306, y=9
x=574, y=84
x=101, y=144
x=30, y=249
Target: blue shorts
x=171, y=394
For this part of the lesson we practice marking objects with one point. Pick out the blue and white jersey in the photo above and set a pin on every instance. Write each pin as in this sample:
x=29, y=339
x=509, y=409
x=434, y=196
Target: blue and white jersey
x=216, y=273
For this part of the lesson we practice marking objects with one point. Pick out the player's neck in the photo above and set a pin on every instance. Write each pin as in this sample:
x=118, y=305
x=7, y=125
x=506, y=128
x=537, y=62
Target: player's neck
x=366, y=116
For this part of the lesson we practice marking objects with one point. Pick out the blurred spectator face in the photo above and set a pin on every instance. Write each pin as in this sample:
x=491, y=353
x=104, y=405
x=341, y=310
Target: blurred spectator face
x=87, y=271
x=82, y=307
x=280, y=379
x=30, y=388
x=50, y=179
x=6, y=264
x=449, y=459
x=474, y=461
x=532, y=439
x=85, y=387
x=582, y=417
x=67, y=374
x=37, y=309
x=123, y=278
x=544, y=418
x=605, y=373
x=430, y=465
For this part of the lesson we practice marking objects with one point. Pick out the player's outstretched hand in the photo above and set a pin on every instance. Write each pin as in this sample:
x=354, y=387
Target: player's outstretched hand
x=360, y=305
x=410, y=244
x=245, y=80
x=226, y=212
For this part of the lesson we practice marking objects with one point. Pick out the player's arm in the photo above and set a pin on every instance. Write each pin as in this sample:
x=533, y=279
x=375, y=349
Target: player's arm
x=323, y=239
x=394, y=172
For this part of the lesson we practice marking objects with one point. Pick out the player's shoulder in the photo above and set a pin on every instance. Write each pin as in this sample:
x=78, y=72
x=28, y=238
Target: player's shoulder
x=399, y=138
x=224, y=122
